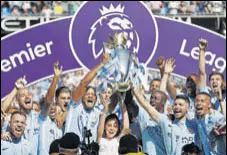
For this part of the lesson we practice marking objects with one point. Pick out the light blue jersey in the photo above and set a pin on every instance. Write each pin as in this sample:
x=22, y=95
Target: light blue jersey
x=31, y=132
x=48, y=133
x=216, y=103
x=152, y=137
x=212, y=144
x=78, y=118
x=177, y=134
x=16, y=147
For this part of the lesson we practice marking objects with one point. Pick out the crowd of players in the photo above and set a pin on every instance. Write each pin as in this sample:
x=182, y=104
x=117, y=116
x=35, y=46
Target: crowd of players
x=161, y=121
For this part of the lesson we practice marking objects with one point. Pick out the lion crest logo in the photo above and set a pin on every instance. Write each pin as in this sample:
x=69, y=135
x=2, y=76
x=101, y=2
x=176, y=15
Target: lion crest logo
x=94, y=22
x=113, y=20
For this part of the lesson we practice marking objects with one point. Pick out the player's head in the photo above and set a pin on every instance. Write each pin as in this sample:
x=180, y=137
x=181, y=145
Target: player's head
x=89, y=98
x=180, y=107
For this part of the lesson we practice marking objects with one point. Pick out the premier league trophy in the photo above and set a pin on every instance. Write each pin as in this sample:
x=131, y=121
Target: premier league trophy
x=121, y=69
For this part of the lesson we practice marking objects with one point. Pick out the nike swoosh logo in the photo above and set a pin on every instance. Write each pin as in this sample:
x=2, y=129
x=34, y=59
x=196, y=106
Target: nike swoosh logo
x=3, y=149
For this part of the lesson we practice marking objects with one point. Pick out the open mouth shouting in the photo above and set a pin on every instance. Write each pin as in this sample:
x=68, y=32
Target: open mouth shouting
x=215, y=87
x=177, y=112
x=18, y=131
x=89, y=101
x=199, y=109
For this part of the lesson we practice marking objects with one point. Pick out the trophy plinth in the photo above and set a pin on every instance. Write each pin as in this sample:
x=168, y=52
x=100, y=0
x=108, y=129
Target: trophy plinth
x=123, y=87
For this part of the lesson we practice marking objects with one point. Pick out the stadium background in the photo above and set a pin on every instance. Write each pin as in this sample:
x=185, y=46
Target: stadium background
x=18, y=15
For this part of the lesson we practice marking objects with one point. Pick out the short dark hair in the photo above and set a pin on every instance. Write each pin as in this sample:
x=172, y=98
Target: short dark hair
x=114, y=117
x=204, y=93
x=69, y=142
x=19, y=112
x=156, y=79
x=216, y=73
x=62, y=89
x=54, y=146
x=183, y=97
x=191, y=148
x=90, y=87
x=128, y=144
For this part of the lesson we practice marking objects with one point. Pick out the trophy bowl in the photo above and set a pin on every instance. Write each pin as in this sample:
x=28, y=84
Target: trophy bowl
x=124, y=62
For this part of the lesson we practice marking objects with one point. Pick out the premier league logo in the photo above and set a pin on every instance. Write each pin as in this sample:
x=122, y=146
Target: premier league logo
x=96, y=21
x=113, y=20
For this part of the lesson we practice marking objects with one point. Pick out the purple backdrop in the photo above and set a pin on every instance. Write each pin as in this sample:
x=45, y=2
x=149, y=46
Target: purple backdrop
x=157, y=37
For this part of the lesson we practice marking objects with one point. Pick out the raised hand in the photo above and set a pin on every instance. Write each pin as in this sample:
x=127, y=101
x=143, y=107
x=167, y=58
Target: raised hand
x=105, y=58
x=203, y=44
x=6, y=136
x=57, y=70
x=105, y=103
x=21, y=82
x=160, y=62
x=169, y=66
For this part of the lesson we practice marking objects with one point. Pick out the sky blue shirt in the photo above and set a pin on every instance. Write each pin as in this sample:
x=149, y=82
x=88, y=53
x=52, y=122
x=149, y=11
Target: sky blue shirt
x=212, y=144
x=77, y=118
x=177, y=134
x=48, y=133
x=152, y=137
x=16, y=147
x=216, y=103
x=31, y=132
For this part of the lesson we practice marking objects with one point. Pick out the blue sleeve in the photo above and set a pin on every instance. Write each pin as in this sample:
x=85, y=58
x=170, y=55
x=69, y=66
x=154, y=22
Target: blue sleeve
x=68, y=120
x=163, y=121
x=143, y=115
x=142, y=112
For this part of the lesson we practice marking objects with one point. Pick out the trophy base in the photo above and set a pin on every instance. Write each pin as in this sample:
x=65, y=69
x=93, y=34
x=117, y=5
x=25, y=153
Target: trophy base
x=123, y=87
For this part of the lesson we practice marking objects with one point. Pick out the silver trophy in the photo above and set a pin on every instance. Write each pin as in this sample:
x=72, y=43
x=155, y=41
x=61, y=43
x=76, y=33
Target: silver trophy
x=122, y=67
x=124, y=61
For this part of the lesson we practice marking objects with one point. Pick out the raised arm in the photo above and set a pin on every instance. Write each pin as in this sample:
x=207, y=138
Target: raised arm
x=125, y=129
x=20, y=83
x=161, y=64
x=169, y=68
x=51, y=91
x=202, y=64
x=145, y=104
x=170, y=87
x=102, y=120
x=79, y=92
